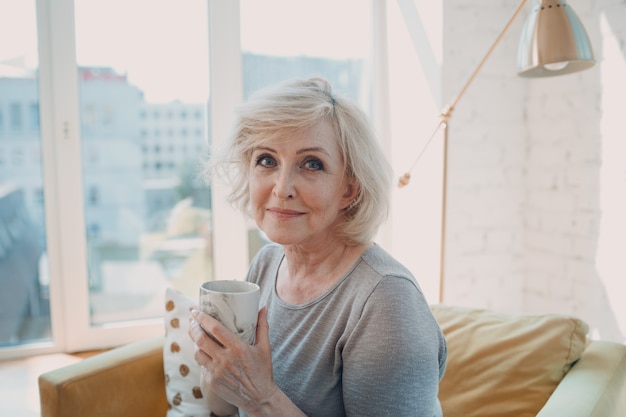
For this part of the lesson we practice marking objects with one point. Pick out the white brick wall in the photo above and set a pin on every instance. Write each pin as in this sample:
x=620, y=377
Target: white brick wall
x=524, y=168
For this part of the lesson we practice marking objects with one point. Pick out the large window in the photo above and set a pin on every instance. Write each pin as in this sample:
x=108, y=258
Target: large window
x=117, y=233
x=103, y=127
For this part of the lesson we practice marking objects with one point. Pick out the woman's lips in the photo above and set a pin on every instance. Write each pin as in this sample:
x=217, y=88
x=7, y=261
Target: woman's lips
x=281, y=213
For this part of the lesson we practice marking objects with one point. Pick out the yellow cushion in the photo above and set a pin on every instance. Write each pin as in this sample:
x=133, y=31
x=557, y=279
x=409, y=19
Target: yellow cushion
x=505, y=365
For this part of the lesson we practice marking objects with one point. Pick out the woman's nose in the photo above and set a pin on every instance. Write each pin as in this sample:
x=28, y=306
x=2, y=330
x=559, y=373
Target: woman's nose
x=284, y=187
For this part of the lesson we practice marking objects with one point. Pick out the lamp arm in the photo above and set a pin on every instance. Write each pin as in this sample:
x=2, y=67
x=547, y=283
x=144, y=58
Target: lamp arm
x=446, y=113
x=451, y=106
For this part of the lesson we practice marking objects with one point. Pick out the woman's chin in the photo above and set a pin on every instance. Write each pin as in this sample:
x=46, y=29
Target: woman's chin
x=282, y=240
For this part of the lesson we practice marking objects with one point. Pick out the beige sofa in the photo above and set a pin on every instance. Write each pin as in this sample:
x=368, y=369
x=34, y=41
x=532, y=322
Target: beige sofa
x=499, y=365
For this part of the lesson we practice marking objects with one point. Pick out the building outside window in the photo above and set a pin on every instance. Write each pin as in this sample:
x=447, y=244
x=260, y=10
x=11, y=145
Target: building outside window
x=18, y=157
x=93, y=196
x=15, y=116
x=33, y=112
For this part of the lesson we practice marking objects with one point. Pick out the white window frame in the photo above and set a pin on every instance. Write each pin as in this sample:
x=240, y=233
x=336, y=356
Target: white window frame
x=230, y=257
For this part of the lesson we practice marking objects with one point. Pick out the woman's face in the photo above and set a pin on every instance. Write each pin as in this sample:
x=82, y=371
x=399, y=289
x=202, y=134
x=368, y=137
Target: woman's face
x=297, y=187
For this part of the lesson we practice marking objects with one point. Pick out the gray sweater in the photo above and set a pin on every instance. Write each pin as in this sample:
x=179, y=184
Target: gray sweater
x=369, y=346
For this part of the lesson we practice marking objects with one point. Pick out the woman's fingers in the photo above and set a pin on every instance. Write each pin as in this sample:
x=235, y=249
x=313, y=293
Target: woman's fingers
x=211, y=329
x=262, y=340
x=236, y=371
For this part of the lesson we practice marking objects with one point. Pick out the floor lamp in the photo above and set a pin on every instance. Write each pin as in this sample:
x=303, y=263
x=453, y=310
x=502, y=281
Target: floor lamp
x=553, y=42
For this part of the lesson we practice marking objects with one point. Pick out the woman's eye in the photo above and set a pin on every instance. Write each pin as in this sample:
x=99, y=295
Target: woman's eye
x=314, y=165
x=265, y=161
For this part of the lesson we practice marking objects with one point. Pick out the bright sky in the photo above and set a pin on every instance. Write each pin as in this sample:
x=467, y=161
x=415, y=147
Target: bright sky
x=162, y=45
x=18, y=31
x=331, y=28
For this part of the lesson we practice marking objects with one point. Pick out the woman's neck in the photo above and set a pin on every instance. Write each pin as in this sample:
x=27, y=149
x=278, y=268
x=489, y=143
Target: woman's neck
x=306, y=274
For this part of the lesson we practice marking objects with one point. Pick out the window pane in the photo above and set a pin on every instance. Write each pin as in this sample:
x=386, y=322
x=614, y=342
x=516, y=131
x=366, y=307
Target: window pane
x=283, y=39
x=148, y=217
x=24, y=303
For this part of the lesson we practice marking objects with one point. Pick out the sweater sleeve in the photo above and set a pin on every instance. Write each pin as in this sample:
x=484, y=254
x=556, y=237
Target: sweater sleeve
x=393, y=355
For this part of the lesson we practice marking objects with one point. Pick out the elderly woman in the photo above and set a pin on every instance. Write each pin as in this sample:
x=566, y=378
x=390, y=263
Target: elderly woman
x=345, y=329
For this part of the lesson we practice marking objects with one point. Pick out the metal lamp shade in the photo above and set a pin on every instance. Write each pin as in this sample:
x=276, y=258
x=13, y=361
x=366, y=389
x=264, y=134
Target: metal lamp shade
x=553, y=42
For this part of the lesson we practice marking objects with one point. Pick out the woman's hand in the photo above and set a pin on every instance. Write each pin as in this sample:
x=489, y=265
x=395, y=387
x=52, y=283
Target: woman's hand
x=239, y=373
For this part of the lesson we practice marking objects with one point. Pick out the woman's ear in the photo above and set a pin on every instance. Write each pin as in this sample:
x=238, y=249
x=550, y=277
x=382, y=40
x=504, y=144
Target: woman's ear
x=352, y=192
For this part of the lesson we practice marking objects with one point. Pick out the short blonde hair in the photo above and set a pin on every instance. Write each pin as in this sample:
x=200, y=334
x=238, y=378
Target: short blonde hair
x=297, y=105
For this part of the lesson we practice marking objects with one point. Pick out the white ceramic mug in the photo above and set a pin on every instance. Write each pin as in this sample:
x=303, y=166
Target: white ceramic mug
x=236, y=305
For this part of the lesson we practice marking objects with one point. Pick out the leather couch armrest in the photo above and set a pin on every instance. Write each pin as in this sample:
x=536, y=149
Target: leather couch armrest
x=123, y=382
x=594, y=387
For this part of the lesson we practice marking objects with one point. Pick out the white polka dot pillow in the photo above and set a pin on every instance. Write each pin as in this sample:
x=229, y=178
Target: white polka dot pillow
x=182, y=372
